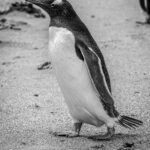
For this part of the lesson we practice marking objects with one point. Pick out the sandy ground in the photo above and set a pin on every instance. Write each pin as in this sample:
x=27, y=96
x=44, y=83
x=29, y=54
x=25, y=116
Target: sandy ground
x=31, y=104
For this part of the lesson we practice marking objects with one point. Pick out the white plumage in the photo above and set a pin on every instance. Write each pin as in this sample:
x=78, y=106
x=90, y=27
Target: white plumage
x=57, y=2
x=72, y=75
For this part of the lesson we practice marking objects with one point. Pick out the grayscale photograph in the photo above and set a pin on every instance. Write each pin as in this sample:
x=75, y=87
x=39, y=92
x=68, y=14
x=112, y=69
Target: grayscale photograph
x=74, y=74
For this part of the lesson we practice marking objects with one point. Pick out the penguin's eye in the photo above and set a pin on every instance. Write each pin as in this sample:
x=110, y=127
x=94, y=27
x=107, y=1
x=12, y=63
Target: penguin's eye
x=52, y=5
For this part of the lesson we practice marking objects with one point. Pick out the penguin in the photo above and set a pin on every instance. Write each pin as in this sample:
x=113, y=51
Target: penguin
x=145, y=5
x=81, y=72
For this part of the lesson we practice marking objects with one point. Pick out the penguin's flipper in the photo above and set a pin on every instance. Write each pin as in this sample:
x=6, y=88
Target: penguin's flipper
x=105, y=72
x=98, y=78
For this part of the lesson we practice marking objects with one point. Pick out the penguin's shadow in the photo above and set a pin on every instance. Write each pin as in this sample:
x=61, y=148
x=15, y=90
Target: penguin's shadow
x=124, y=136
x=119, y=136
x=142, y=23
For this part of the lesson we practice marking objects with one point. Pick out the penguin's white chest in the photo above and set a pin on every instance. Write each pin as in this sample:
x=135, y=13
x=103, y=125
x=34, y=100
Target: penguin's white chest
x=72, y=75
x=62, y=51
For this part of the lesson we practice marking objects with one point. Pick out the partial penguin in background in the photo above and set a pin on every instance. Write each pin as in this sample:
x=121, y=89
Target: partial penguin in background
x=145, y=5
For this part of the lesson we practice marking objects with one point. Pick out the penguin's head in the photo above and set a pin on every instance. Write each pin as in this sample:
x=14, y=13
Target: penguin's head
x=55, y=8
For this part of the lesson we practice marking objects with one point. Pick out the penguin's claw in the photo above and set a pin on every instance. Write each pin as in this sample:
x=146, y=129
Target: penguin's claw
x=67, y=135
x=106, y=136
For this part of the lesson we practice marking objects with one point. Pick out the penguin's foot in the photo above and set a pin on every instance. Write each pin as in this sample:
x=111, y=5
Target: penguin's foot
x=148, y=20
x=107, y=136
x=76, y=133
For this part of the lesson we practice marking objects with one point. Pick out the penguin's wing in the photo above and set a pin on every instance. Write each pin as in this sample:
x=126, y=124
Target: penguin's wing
x=94, y=66
x=104, y=69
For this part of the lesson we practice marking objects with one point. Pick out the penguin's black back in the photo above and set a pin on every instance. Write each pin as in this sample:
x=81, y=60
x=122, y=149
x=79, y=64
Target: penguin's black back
x=81, y=33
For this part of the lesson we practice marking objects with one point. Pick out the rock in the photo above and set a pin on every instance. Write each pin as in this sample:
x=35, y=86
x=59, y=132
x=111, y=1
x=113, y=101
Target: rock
x=36, y=95
x=44, y=66
x=127, y=146
x=23, y=7
x=101, y=147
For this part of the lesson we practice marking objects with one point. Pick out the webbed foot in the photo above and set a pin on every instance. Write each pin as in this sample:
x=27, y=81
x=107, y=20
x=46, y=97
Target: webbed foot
x=107, y=136
x=76, y=133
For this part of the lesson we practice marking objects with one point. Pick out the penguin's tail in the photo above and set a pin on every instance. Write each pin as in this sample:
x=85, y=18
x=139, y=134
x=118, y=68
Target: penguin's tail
x=129, y=122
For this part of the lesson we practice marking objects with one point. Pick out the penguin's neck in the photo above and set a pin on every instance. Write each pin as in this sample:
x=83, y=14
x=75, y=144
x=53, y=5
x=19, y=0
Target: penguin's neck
x=61, y=21
x=74, y=25
x=57, y=22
